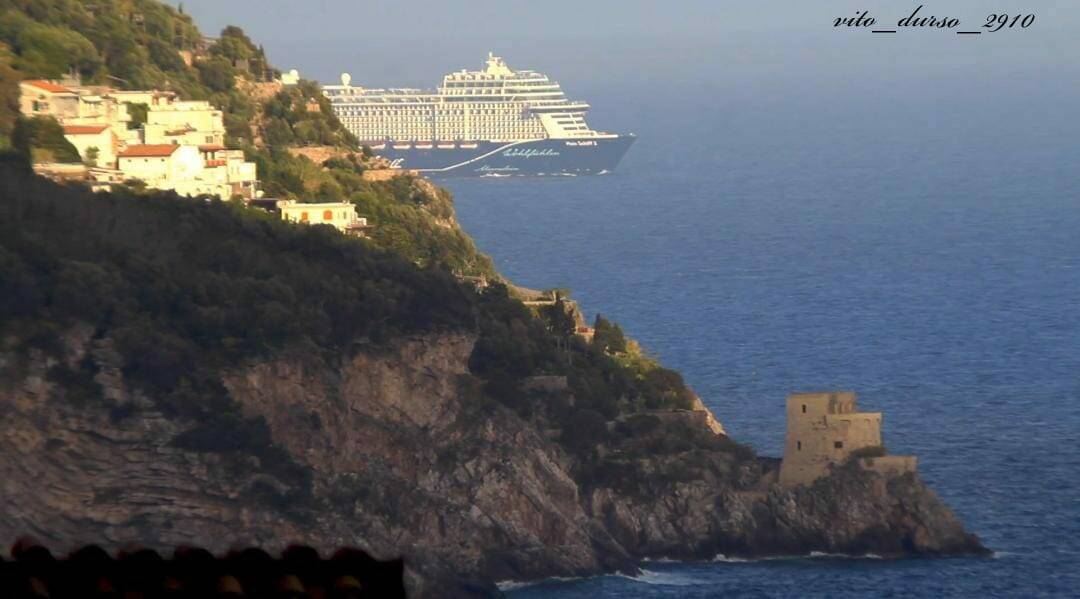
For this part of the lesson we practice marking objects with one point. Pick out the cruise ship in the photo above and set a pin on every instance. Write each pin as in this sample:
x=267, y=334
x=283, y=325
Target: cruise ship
x=491, y=122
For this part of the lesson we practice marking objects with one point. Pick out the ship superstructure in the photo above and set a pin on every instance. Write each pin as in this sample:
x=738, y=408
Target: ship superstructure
x=492, y=121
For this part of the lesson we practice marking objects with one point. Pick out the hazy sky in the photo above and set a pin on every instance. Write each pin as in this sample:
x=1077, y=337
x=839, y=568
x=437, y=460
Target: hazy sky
x=586, y=43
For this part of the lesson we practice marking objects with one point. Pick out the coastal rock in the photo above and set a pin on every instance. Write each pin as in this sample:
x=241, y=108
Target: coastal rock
x=398, y=459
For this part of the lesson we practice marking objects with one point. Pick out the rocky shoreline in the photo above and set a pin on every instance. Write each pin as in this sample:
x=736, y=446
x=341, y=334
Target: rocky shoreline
x=399, y=462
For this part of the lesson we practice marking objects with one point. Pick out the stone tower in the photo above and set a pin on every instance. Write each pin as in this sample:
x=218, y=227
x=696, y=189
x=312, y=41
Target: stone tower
x=825, y=429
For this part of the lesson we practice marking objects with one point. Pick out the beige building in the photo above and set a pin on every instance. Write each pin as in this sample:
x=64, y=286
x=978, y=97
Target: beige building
x=229, y=167
x=125, y=100
x=88, y=137
x=70, y=105
x=45, y=98
x=824, y=429
x=194, y=123
x=152, y=98
x=75, y=105
x=340, y=215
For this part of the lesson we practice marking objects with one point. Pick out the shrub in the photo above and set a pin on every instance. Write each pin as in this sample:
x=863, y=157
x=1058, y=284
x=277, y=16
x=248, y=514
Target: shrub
x=77, y=385
x=873, y=451
x=584, y=431
x=42, y=136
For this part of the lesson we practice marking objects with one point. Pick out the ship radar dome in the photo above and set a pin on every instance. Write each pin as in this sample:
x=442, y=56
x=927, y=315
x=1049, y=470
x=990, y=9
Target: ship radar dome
x=290, y=78
x=346, y=79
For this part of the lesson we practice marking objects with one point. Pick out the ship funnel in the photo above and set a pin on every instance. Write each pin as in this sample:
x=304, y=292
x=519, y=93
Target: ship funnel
x=346, y=79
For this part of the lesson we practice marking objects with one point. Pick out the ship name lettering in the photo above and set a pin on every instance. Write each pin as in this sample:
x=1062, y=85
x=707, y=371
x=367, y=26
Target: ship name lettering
x=529, y=153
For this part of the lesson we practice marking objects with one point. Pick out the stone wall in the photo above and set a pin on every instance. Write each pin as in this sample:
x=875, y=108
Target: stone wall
x=385, y=174
x=547, y=383
x=258, y=90
x=891, y=465
x=316, y=154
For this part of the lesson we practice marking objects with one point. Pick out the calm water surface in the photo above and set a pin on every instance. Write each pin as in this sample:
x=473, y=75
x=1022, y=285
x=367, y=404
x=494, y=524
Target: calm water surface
x=924, y=252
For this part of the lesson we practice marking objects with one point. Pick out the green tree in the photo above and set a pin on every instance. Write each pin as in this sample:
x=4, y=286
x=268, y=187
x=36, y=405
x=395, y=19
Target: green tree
x=609, y=336
x=561, y=322
x=217, y=74
x=41, y=139
x=48, y=51
x=9, y=94
x=234, y=44
x=138, y=113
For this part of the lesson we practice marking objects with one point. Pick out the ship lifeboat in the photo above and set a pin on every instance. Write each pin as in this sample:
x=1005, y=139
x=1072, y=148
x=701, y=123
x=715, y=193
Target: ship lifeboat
x=377, y=146
x=424, y=146
x=445, y=146
x=468, y=146
x=402, y=146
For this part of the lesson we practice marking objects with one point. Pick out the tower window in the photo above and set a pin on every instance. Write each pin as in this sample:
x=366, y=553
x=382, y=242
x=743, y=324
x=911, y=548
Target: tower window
x=804, y=408
x=798, y=445
x=838, y=444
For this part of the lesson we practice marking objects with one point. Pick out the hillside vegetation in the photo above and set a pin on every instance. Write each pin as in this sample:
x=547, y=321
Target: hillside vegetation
x=189, y=288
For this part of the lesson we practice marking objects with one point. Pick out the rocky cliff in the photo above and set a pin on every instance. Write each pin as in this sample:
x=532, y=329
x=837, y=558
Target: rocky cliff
x=390, y=450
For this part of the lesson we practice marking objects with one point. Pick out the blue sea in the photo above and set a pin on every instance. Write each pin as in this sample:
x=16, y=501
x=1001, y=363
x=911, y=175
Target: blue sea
x=920, y=247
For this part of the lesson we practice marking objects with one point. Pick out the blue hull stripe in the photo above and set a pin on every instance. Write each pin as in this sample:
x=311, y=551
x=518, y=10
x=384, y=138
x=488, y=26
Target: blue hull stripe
x=529, y=157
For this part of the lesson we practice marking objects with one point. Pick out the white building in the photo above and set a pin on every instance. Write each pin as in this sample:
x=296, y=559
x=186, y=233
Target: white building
x=180, y=147
x=87, y=138
x=190, y=170
x=160, y=165
x=177, y=168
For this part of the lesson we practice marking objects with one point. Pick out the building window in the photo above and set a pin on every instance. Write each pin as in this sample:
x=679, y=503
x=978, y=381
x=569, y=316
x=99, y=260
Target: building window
x=804, y=408
x=838, y=444
x=798, y=445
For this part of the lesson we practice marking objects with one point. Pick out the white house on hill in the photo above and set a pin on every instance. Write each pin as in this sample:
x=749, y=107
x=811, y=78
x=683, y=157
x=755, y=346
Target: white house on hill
x=160, y=166
x=99, y=137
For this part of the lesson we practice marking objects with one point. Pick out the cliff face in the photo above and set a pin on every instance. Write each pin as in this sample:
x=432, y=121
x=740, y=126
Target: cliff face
x=400, y=458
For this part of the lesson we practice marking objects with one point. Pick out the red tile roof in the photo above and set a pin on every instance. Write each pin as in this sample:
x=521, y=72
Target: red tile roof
x=84, y=129
x=149, y=151
x=47, y=86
